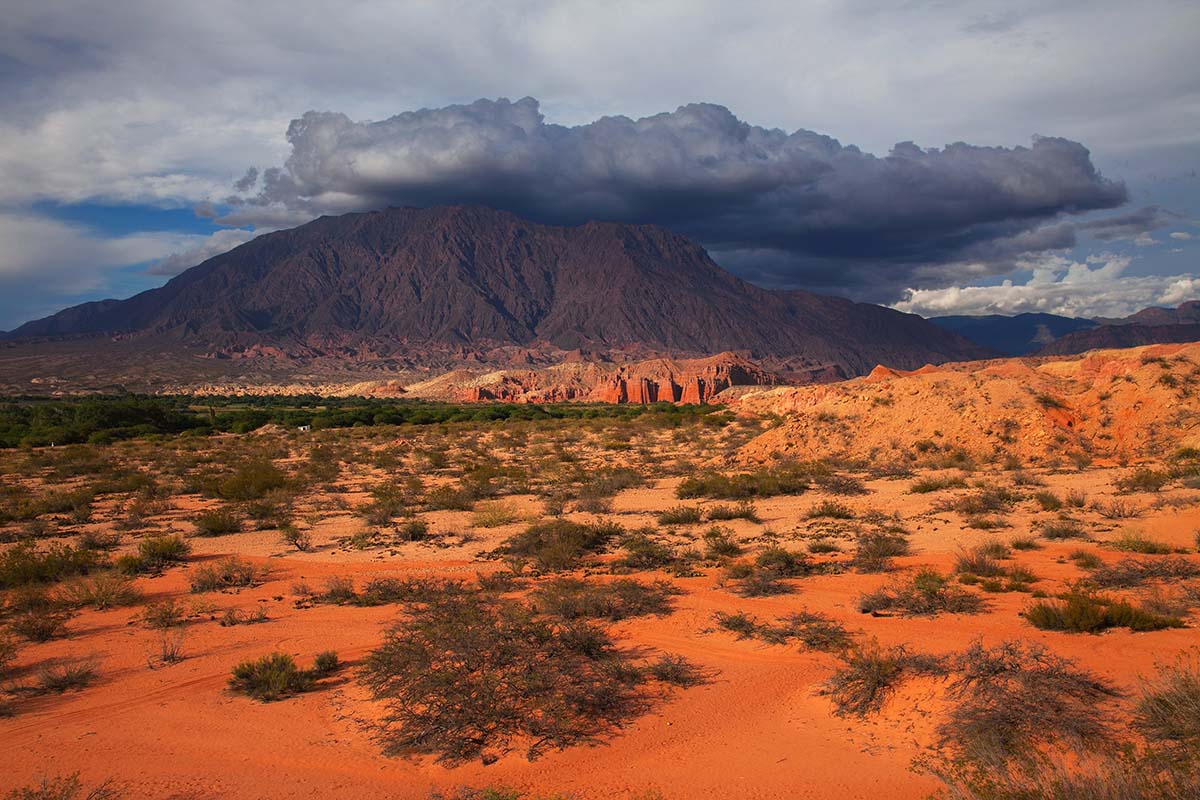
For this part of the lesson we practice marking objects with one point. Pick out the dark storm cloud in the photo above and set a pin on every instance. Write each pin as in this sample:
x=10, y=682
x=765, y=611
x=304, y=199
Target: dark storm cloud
x=800, y=206
x=1129, y=225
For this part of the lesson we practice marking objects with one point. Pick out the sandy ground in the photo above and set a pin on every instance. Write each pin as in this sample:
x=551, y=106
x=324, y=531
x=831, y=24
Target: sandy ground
x=759, y=729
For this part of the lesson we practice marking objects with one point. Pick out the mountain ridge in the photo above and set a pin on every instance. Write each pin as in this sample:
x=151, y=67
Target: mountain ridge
x=401, y=282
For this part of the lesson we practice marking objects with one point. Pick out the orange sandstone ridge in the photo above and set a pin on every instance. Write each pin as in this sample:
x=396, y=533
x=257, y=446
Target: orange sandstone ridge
x=1110, y=405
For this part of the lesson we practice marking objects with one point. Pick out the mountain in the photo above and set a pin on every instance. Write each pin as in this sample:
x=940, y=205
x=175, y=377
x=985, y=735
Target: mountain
x=1013, y=336
x=1186, y=314
x=1107, y=337
x=454, y=283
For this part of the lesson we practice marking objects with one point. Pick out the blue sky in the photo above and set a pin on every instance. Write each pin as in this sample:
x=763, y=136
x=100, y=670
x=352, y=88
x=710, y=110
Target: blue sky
x=124, y=129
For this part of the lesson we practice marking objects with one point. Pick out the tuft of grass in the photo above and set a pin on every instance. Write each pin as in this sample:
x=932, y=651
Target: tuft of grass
x=228, y=573
x=1131, y=572
x=1085, y=612
x=830, y=509
x=270, y=677
x=1135, y=543
x=1063, y=529
x=931, y=484
x=154, y=554
x=1168, y=710
x=870, y=673
x=494, y=515
x=876, y=549
x=66, y=787
x=680, y=515
x=811, y=630
x=104, y=591
x=1143, y=479
x=722, y=511
x=925, y=593
x=719, y=543
x=218, y=522
x=67, y=677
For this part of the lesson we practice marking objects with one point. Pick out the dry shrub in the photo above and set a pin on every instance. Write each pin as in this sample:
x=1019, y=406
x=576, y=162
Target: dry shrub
x=469, y=676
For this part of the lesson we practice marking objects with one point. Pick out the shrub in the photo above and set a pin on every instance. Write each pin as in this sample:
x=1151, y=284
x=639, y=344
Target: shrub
x=926, y=593
x=760, y=483
x=23, y=564
x=251, y=480
x=680, y=515
x=1119, y=508
x=1143, y=480
x=228, y=573
x=154, y=554
x=66, y=787
x=165, y=614
x=218, y=522
x=415, y=530
x=39, y=619
x=1083, y=612
x=719, y=543
x=467, y=676
x=979, y=561
x=493, y=515
x=831, y=509
x=1063, y=529
x=812, y=630
x=1134, y=543
x=102, y=592
x=1131, y=572
x=989, y=499
x=875, y=549
x=236, y=616
x=67, y=677
x=643, y=552
x=1010, y=698
x=8, y=652
x=559, y=544
x=326, y=663
x=1024, y=543
x=293, y=536
x=743, y=510
x=870, y=673
x=1168, y=710
x=572, y=598
x=783, y=562
x=1048, y=501
x=270, y=677
x=927, y=485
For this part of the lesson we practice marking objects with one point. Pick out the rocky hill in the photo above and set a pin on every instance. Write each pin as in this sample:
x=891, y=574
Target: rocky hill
x=1121, y=335
x=452, y=285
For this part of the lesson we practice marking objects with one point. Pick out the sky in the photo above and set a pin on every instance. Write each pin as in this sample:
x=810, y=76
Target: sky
x=939, y=157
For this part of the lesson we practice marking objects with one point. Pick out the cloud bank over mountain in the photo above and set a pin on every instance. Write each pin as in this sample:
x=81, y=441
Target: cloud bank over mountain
x=786, y=209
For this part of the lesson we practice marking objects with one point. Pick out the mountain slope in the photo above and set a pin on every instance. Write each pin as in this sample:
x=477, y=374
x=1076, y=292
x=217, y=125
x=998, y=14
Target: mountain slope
x=465, y=280
x=1108, y=337
x=1013, y=336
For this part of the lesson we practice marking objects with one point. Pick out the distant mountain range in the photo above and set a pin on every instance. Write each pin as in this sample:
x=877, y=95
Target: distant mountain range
x=1050, y=334
x=451, y=284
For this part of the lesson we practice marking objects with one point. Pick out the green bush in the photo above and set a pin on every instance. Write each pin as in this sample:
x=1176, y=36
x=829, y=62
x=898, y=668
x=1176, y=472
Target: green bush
x=1143, y=480
x=251, y=480
x=680, y=515
x=741, y=486
x=560, y=544
x=271, y=677
x=218, y=522
x=228, y=573
x=1081, y=612
x=926, y=593
x=572, y=598
x=23, y=564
